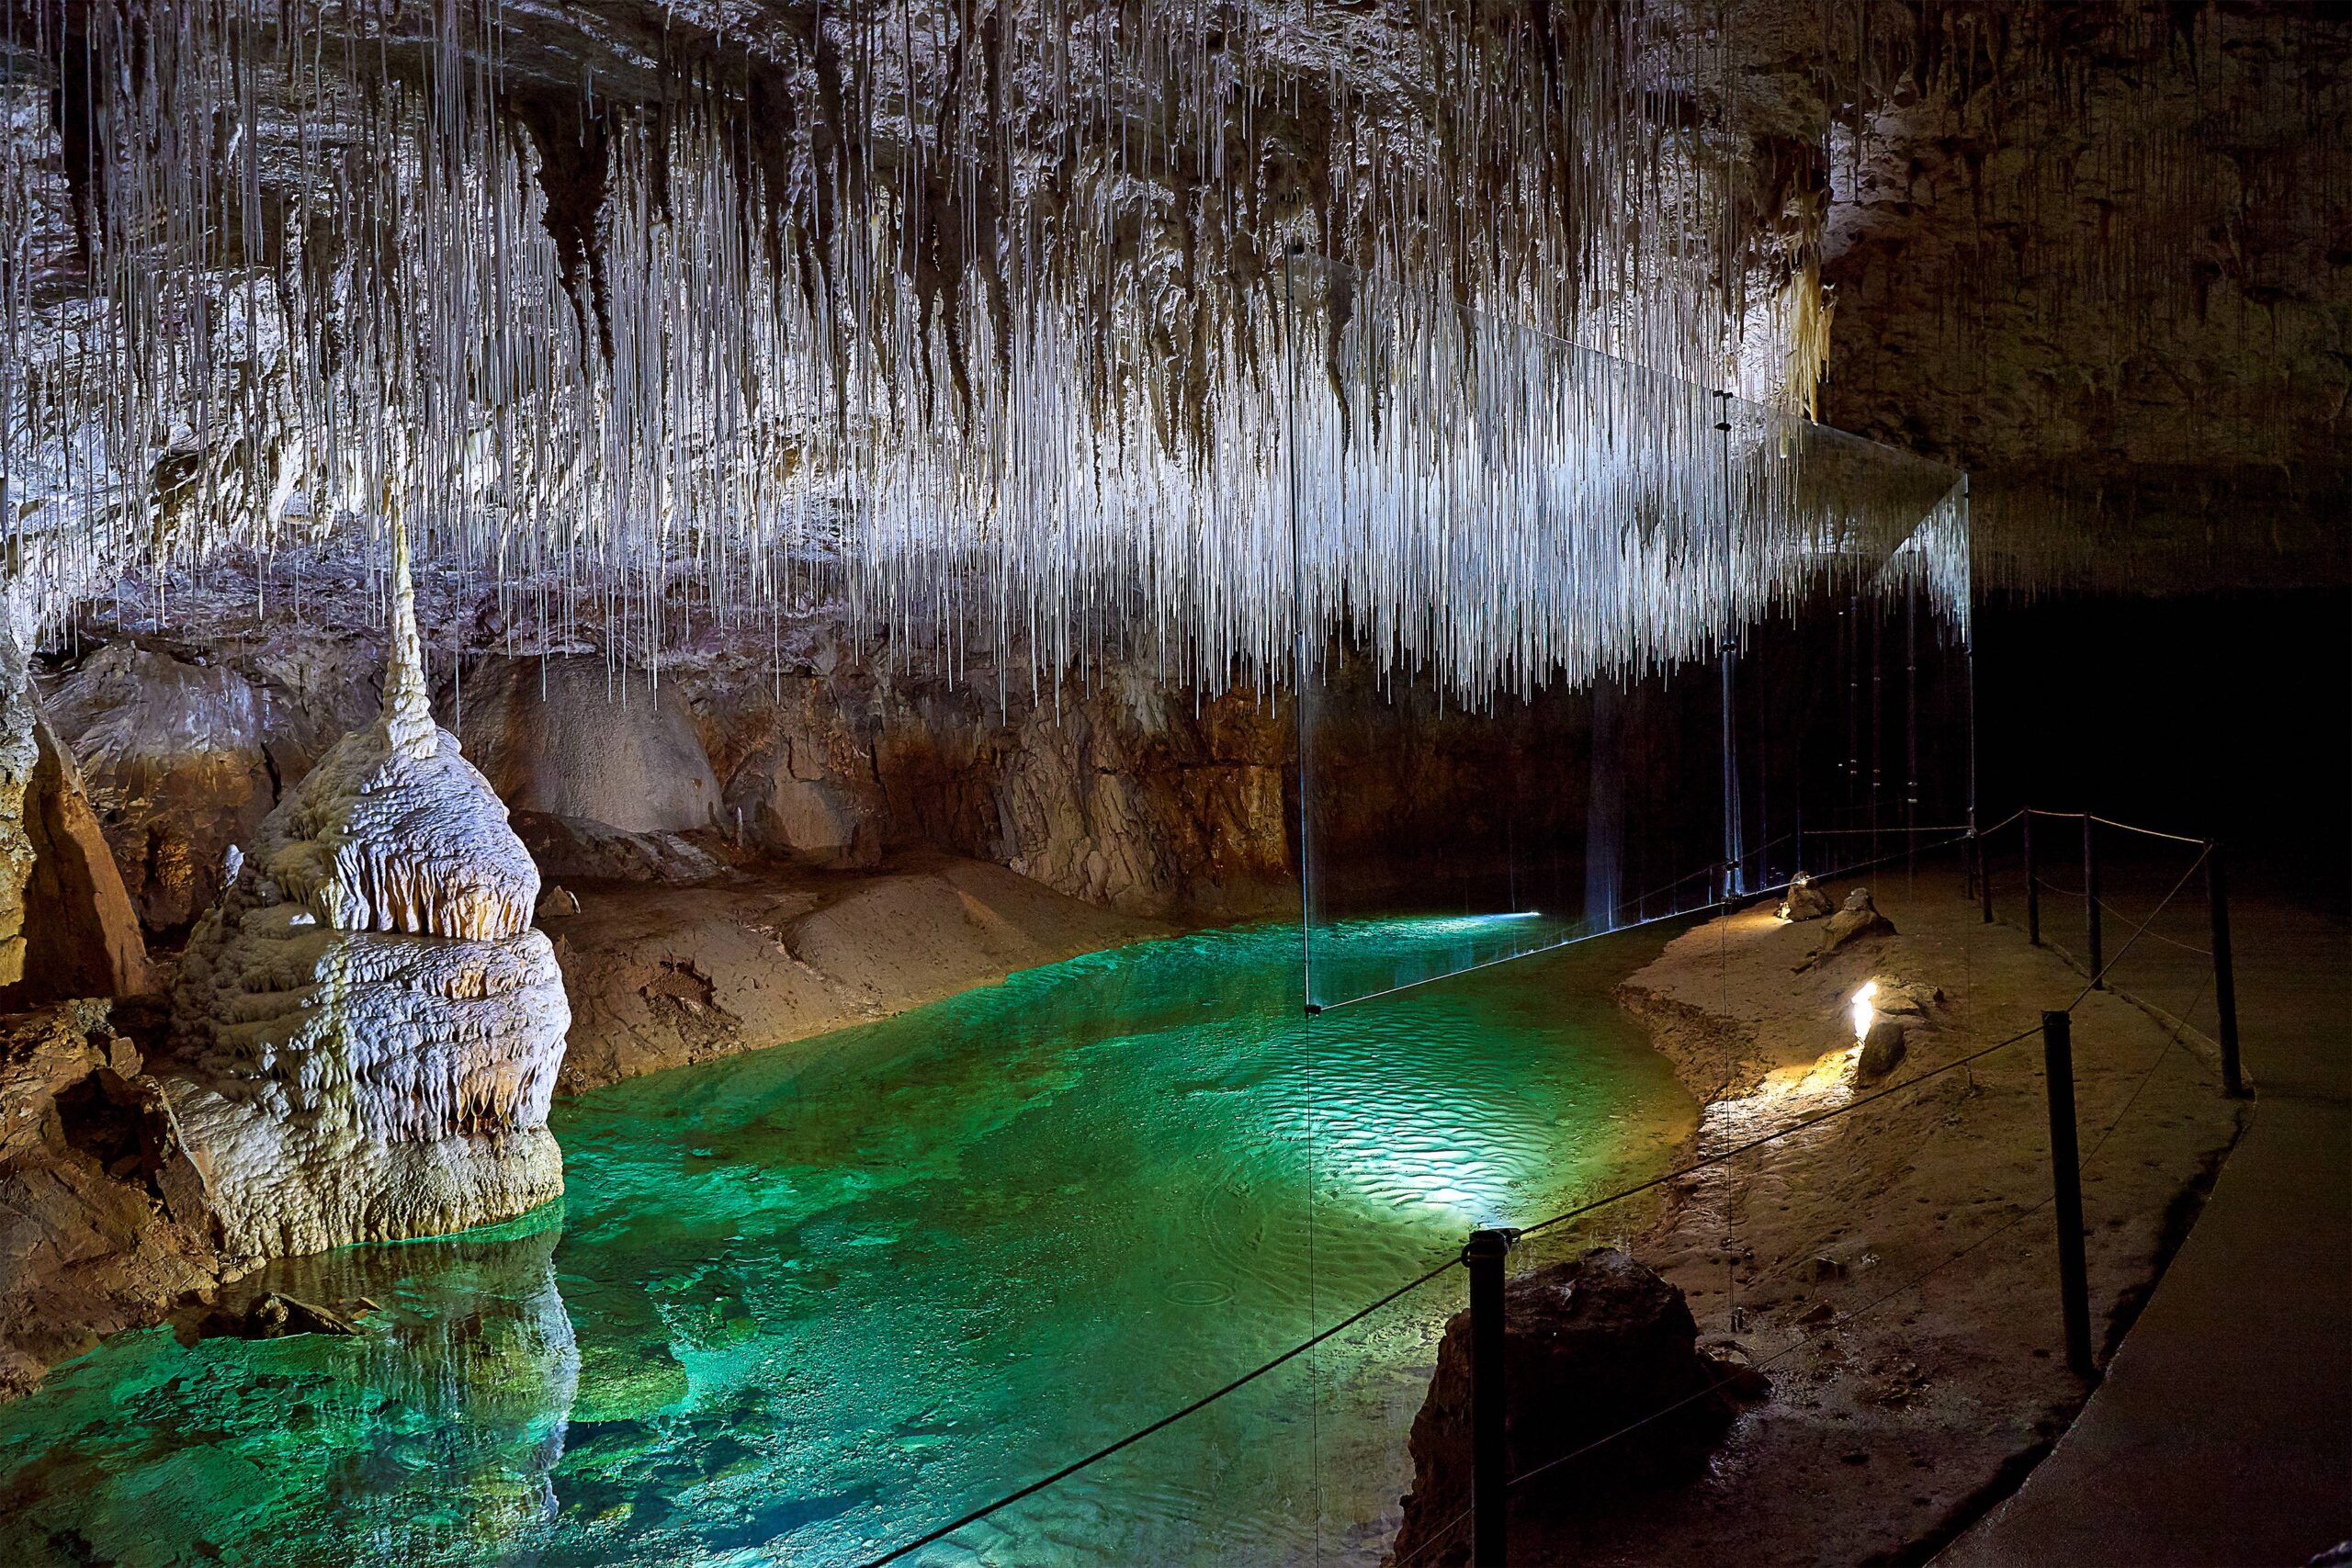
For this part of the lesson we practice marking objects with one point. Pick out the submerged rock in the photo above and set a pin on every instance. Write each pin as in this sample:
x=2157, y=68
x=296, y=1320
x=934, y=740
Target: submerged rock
x=368, y=1030
x=273, y=1315
x=1594, y=1347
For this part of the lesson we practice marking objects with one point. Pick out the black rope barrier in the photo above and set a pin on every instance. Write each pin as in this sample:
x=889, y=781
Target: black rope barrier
x=2146, y=832
x=1801, y=1124
x=2108, y=967
x=1066, y=1472
x=1723, y=1157
x=2169, y=941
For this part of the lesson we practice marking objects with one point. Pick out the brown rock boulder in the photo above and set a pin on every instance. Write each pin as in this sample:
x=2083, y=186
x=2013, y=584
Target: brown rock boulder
x=1594, y=1347
x=1882, y=1051
x=81, y=933
x=1805, y=901
x=103, y=1218
x=1857, y=920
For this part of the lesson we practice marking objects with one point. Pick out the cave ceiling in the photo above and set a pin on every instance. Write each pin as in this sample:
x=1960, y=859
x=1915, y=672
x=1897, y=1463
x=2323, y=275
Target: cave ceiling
x=278, y=269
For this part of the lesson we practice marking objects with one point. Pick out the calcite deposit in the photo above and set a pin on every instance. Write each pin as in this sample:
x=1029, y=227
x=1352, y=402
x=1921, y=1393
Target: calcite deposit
x=368, y=1026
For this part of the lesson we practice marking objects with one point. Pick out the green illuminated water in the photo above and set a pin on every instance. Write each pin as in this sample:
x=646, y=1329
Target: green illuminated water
x=799, y=1307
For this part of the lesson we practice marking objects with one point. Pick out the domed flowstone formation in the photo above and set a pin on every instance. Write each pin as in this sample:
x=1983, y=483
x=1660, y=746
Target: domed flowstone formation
x=366, y=1028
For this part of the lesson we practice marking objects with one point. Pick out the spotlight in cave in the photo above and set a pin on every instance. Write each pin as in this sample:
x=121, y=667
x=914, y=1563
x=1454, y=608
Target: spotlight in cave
x=1111, y=784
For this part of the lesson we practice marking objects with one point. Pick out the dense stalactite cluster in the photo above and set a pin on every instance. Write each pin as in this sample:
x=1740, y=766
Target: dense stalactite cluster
x=987, y=318
x=983, y=316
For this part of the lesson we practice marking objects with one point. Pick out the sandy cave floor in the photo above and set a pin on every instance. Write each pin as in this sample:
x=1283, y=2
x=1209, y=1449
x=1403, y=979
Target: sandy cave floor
x=1892, y=1270
x=664, y=977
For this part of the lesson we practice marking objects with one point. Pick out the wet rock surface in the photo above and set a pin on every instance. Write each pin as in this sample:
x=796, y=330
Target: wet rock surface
x=103, y=1217
x=1601, y=1362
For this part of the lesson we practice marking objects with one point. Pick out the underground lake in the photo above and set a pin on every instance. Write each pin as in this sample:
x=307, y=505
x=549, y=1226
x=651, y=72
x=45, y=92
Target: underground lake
x=807, y=1304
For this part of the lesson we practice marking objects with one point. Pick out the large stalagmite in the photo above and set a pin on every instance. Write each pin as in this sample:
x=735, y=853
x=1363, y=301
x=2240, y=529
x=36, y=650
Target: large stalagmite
x=368, y=1028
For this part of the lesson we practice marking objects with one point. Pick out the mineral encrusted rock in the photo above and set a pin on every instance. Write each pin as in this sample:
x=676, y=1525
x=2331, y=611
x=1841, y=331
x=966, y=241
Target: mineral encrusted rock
x=367, y=1028
x=1857, y=918
x=1592, y=1347
x=1882, y=1051
x=1805, y=901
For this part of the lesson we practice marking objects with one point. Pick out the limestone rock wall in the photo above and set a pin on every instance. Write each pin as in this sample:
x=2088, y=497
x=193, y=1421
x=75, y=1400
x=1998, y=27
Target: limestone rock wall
x=186, y=747
x=572, y=737
x=1130, y=796
x=16, y=759
x=103, y=1219
x=81, y=933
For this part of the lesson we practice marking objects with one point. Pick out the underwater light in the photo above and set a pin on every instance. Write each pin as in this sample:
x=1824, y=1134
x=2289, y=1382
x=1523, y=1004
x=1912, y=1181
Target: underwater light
x=1862, y=1011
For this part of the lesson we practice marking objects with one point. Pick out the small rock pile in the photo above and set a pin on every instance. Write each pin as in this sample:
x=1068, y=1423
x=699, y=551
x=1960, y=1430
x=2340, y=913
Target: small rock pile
x=1591, y=1347
x=1857, y=920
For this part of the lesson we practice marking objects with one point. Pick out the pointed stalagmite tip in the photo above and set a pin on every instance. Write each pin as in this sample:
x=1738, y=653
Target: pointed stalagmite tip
x=408, y=710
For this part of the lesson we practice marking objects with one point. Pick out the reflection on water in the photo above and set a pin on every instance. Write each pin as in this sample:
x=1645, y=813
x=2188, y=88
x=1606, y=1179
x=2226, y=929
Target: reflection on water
x=1361, y=958
x=433, y=1437
x=797, y=1313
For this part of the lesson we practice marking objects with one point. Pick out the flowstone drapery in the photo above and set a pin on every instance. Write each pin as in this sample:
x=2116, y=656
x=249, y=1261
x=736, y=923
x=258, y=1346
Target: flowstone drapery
x=370, y=1028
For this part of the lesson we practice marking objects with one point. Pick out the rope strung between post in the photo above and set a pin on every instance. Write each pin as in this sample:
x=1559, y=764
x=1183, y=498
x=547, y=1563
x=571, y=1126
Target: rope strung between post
x=1842, y=1321
x=2108, y=967
x=2169, y=941
x=1801, y=1124
x=2150, y=832
x=1074, y=1467
x=1167, y=1420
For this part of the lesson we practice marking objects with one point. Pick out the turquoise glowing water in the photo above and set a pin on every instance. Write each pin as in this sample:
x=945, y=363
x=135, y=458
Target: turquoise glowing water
x=798, y=1307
